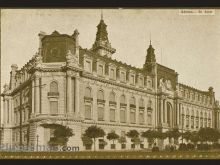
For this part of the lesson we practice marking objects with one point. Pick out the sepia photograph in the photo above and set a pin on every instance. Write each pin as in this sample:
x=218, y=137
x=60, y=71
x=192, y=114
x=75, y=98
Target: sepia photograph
x=110, y=83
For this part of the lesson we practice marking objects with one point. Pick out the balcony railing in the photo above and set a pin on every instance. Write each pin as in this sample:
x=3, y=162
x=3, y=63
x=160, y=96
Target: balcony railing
x=53, y=94
x=112, y=102
x=132, y=105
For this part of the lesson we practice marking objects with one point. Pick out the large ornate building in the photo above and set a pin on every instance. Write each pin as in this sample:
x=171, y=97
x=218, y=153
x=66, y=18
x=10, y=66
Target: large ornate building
x=69, y=85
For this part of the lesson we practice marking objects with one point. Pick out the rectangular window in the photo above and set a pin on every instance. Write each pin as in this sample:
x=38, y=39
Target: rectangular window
x=54, y=107
x=123, y=146
x=141, y=118
x=13, y=137
x=122, y=116
x=101, y=144
x=132, y=117
x=192, y=122
x=197, y=123
x=187, y=122
x=149, y=119
x=15, y=116
x=112, y=74
x=18, y=117
x=201, y=123
x=100, y=70
x=132, y=79
x=141, y=83
x=24, y=136
x=101, y=113
x=123, y=77
x=112, y=114
x=88, y=112
x=88, y=66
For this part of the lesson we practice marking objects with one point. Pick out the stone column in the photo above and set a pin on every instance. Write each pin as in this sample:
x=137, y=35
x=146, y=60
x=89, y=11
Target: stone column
x=127, y=113
x=33, y=96
x=163, y=111
x=77, y=93
x=12, y=111
x=4, y=111
x=69, y=95
x=177, y=113
x=37, y=95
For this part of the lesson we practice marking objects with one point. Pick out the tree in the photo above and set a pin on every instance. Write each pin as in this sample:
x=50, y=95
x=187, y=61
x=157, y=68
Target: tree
x=208, y=134
x=61, y=134
x=87, y=141
x=134, y=135
x=122, y=140
x=194, y=137
x=174, y=133
x=187, y=135
x=150, y=135
x=112, y=136
x=94, y=132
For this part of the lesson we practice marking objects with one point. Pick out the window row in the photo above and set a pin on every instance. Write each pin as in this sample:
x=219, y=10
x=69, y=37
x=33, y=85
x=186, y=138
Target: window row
x=195, y=122
x=197, y=114
x=196, y=97
x=112, y=98
x=117, y=73
x=122, y=116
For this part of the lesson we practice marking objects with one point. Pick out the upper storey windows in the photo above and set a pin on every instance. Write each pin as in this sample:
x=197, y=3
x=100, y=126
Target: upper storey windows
x=116, y=72
x=88, y=65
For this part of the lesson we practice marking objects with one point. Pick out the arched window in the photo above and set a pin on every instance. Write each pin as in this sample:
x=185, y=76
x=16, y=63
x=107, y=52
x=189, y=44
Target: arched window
x=100, y=95
x=132, y=101
x=197, y=113
x=187, y=111
x=169, y=112
x=122, y=99
x=141, y=102
x=149, y=105
x=112, y=97
x=88, y=92
x=54, y=87
x=192, y=114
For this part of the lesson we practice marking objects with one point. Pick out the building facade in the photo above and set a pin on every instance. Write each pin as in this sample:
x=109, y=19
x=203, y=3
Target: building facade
x=76, y=87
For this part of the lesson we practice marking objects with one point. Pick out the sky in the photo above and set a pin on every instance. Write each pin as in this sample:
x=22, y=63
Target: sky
x=189, y=44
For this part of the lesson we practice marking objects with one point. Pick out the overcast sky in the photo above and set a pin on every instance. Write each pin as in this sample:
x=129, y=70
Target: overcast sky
x=189, y=44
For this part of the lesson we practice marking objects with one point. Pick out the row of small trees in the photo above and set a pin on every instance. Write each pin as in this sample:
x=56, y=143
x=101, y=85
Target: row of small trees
x=62, y=134
x=203, y=135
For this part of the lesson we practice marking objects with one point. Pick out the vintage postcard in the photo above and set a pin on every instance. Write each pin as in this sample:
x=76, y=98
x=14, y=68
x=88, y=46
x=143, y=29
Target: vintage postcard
x=110, y=83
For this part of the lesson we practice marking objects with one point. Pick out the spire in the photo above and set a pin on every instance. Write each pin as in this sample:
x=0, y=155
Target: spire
x=150, y=54
x=101, y=15
x=102, y=44
x=150, y=58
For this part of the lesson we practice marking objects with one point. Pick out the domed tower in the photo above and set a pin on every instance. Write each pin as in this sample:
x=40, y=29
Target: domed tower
x=102, y=45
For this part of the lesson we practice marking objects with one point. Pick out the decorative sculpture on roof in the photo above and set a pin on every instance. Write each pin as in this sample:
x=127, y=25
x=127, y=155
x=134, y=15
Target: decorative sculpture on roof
x=165, y=85
x=71, y=59
x=38, y=60
x=6, y=88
